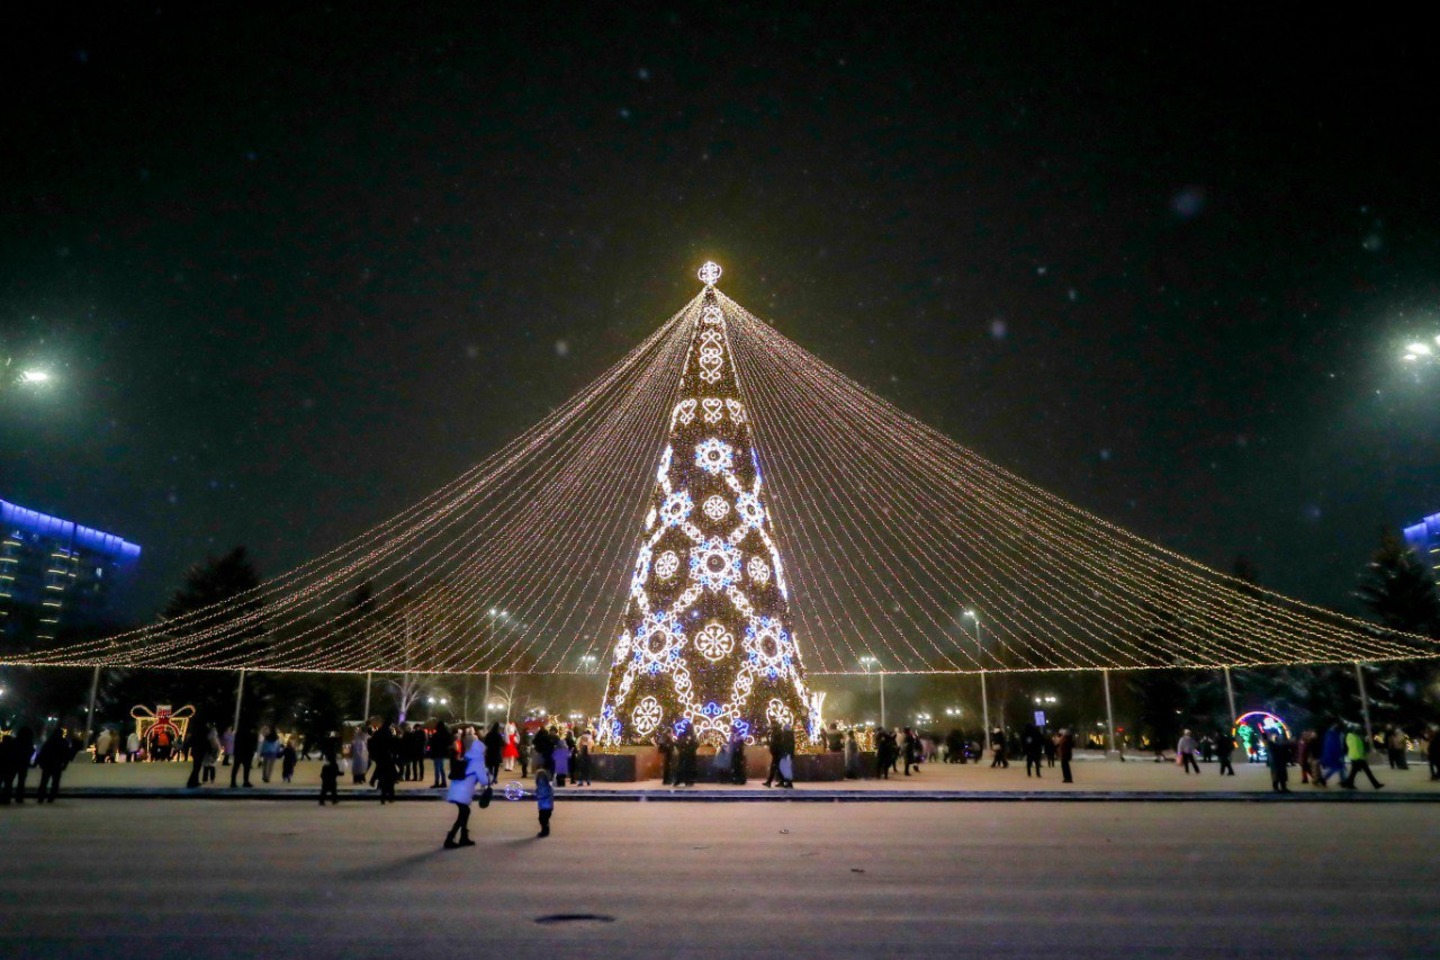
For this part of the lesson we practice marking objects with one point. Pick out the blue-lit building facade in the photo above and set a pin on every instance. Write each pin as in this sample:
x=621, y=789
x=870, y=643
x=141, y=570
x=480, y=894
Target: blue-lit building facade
x=57, y=574
x=1424, y=539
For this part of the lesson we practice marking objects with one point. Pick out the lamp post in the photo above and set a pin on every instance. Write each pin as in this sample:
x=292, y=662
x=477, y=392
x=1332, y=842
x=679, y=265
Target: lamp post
x=867, y=662
x=980, y=648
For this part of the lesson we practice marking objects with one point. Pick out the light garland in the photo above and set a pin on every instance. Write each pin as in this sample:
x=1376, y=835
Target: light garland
x=527, y=562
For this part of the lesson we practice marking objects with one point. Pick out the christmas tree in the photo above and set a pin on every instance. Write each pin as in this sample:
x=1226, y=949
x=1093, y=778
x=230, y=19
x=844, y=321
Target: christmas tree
x=703, y=640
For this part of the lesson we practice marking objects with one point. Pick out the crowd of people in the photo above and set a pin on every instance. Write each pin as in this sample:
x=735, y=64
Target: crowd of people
x=1339, y=752
x=382, y=754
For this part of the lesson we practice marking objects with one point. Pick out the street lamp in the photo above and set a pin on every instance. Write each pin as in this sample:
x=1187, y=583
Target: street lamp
x=980, y=648
x=867, y=662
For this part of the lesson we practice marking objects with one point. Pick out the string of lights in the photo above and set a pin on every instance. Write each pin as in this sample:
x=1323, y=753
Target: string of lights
x=797, y=523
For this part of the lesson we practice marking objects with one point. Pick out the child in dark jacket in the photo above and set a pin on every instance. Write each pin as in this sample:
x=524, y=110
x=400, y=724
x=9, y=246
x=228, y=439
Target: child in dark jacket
x=544, y=800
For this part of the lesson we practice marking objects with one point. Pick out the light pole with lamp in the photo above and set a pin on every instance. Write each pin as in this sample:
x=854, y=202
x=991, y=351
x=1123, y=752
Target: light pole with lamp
x=984, y=698
x=867, y=662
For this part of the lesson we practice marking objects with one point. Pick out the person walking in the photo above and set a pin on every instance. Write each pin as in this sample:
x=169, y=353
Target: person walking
x=288, y=758
x=582, y=757
x=9, y=762
x=269, y=753
x=461, y=792
x=17, y=751
x=1332, y=751
x=910, y=749
x=665, y=747
x=512, y=747
x=359, y=754
x=1185, y=753
x=132, y=747
x=884, y=753
x=494, y=747
x=245, y=746
x=687, y=761
x=53, y=758
x=524, y=746
x=212, y=754
x=195, y=738
x=439, y=747
x=1432, y=752
x=737, y=759
x=544, y=800
x=1277, y=750
x=383, y=743
x=1396, y=744
x=1065, y=752
x=997, y=749
x=776, y=746
x=852, y=756
x=102, y=745
x=1032, y=747
x=1357, y=751
x=330, y=770
x=560, y=760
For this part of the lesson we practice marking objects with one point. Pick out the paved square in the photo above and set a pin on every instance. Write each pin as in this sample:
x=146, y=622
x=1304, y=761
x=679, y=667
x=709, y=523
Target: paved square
x=158, y=879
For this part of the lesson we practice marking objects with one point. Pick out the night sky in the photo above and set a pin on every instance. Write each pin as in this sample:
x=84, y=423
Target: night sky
x=291, y=272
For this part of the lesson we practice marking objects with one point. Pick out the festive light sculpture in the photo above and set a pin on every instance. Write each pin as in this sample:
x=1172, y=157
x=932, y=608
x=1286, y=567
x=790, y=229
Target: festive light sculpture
x=709, y=273
x=703, y=640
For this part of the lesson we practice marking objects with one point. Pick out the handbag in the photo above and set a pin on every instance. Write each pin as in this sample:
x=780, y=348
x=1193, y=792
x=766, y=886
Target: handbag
x=787, y=767
x=485, y=796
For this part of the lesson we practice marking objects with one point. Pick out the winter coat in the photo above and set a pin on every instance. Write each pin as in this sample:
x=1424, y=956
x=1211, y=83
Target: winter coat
x=562, y=759
x=462, y=789
x=359, y=753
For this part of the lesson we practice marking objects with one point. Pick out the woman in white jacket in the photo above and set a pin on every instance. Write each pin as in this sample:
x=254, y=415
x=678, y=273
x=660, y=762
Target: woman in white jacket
x=462, y=793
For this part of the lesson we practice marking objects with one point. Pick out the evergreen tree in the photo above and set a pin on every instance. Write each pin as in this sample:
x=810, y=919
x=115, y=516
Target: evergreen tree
x=1399, y=590
x=704, y=639
x=215, y=580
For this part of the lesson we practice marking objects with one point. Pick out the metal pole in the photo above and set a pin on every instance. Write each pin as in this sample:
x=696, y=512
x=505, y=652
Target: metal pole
x=239, y=695
x=486, y=722
x=882, y=699
x=1230, y=692
x=984, y=710
x=90, y=713
x=365, y=711
x=1365, y=708
x=465, y=706
x=1109, y=712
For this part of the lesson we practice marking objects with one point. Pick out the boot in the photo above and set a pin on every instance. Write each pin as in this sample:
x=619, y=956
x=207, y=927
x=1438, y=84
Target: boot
x=450, y=843
x=465, y=840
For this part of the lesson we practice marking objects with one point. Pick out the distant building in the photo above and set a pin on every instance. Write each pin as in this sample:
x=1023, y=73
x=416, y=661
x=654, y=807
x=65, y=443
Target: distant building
x=1424, y=539
x=56, y=574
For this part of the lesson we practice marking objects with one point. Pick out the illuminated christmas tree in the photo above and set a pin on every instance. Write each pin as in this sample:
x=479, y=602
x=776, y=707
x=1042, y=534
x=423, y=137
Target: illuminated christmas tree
x=704, y=640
